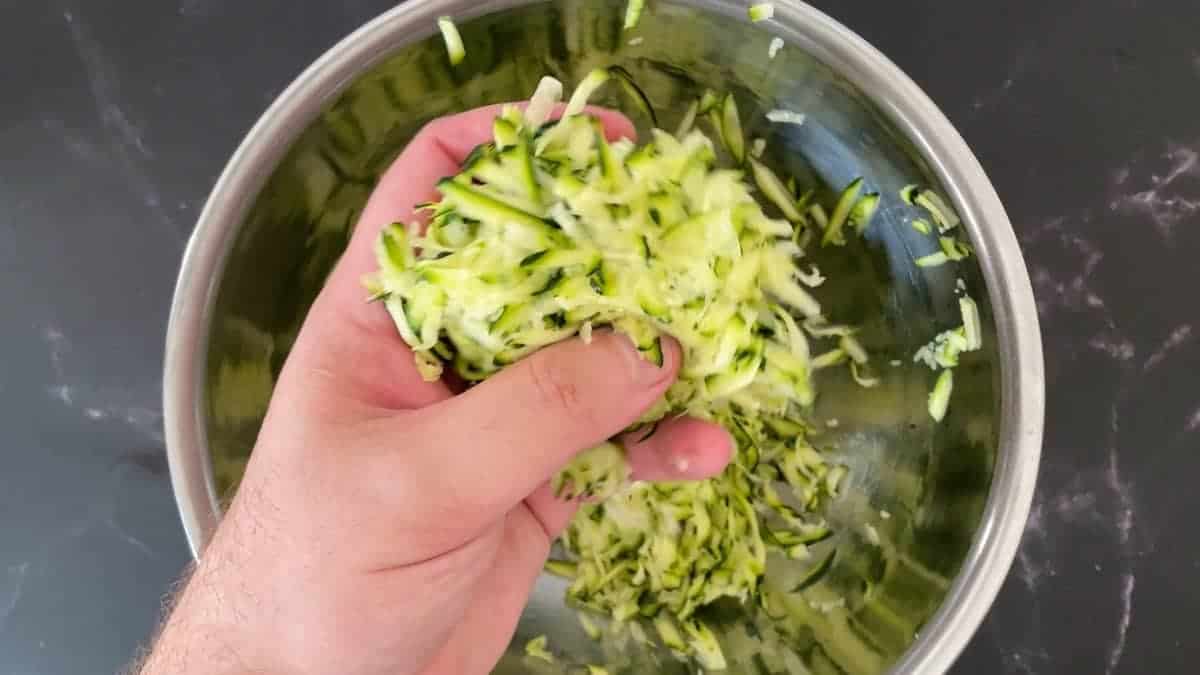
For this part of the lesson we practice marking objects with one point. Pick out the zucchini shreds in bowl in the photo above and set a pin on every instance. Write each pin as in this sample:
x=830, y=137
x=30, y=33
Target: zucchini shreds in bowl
x=786, y=117
x=944, y=350
x=774, y=47
x=762, y=11
x=633, y=13
x=454, y=44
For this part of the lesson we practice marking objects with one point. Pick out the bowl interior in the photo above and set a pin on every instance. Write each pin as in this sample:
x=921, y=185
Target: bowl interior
x=917, y=490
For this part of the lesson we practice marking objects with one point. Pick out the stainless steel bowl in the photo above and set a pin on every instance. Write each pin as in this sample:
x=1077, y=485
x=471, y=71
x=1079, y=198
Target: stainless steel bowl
x=956, y=495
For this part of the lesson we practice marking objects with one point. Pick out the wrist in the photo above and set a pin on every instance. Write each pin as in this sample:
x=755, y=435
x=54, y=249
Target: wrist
x=213, y=627
x=199, y=636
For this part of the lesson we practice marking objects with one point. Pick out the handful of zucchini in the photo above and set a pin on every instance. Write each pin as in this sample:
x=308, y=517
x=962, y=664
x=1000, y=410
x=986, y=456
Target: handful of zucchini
x=551, y=231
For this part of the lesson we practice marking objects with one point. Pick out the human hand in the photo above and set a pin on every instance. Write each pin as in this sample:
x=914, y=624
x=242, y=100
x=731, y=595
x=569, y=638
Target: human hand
x=387, y=525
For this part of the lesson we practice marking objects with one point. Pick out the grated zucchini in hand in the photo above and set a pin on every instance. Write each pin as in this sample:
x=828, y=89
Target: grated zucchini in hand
x=550, y=230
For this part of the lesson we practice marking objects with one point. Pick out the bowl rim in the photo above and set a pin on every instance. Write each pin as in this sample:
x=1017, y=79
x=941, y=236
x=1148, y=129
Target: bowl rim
x=1022, y=380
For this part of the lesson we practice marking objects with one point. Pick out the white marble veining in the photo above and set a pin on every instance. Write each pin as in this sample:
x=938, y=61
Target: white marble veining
x=193, y=8
x=11, y=590
x=127, y=139
x=1193, y=421
x=1025, y=661
x=997, y=94
x=1102, y=500
x=15, y=577
x=1125, y=504
x=1117, y=348
x=97, y=402
x=1181, y=335
x=1065, y=286
x=1118, y=647
x=1172, y=196
x=102, y=78
x=79, y=147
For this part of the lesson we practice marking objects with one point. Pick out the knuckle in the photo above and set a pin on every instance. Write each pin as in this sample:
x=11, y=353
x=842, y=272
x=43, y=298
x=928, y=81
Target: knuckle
x=534, y=533
x=554, y=387
x=433, y=137
x=433, y=127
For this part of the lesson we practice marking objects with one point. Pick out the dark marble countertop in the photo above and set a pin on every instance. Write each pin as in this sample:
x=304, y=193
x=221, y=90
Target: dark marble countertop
x=117, y=118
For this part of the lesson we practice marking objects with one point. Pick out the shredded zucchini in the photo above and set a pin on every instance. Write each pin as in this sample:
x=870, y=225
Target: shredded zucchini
x=552, y=230
x=633, y=13
x=939, y=398
x=561, y=568
x=817, y=572
x=536, y=648
x=954, y=249
x=780, y=116
x=597, y=473
x=972, y=331
x=586, y=89
x=589, y=626
x=704, y=646
x=758, y=147
x=763, y=11
x=731, y=129
x=944, y=351
x=688, y=121
x=812, y=278
x=943, y=215
x=774, y=47
x=774, y=190
x=635, y=92
x=933, y=259
x=864, y=209
x=841, y=213
x=548, y=93
x=454, y=43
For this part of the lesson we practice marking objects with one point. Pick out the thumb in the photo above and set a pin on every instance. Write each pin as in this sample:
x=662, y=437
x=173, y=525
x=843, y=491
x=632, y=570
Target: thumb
x=497, y=442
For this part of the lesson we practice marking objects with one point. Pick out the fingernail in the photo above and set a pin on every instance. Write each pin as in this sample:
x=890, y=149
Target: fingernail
x=642, y=370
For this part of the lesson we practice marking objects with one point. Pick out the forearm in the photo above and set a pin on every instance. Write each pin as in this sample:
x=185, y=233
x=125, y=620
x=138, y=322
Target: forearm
x=208, y=628
x=196, y=635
